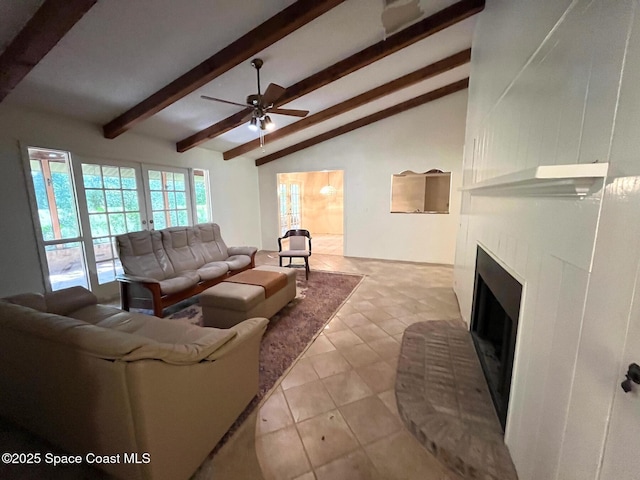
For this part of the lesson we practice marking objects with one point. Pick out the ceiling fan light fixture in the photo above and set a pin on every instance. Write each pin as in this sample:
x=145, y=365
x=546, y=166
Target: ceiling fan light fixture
x=260, y=104
x=268, y=123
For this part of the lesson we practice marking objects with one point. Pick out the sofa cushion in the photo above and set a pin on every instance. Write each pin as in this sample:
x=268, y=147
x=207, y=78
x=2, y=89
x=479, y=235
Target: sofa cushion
x=95, y=313
x=213, y=270
x=159, y=329
x=178, y=283
x=238, y=262
x=294, y=253
x=70, y=331
x=143, y=254
x=183, y=248
x=212, y=246
x=138, y=338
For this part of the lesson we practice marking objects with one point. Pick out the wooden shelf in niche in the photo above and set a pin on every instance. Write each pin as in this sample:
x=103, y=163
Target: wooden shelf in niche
x=577, y=180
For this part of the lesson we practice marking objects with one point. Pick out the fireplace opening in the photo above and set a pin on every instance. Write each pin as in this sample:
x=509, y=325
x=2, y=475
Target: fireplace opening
x=494, y=325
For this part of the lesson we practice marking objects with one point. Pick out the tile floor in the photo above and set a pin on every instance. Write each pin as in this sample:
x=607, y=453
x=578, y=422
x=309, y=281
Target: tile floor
x=334, y=416
x=327, y=244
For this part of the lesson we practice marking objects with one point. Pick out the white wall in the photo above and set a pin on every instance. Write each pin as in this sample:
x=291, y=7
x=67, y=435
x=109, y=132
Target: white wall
x=426, y=137
x=549, y=95
x=233, y=184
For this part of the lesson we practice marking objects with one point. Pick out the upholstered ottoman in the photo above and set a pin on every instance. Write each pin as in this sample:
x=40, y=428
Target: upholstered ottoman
x=228, y=303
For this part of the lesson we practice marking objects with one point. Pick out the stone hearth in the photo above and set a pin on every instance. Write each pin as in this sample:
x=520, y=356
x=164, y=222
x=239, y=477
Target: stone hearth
x=443, y=399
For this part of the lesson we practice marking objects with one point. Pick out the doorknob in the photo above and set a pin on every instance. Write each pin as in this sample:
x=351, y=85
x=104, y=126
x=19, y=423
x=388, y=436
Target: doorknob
x=633, y=375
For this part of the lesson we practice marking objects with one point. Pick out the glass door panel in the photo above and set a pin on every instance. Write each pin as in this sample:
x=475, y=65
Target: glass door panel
x=289, y=206
x=57, y=216
x=294, y=211
x=283, y=208
x=201, y=195
x=114, y=203
x=169, y=196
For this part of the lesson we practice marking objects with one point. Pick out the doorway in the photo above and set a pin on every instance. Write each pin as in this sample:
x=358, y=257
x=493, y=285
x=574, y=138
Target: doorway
x=314, y=201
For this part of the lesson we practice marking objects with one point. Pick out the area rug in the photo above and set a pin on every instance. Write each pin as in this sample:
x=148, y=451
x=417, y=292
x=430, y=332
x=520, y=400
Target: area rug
x=291, y=330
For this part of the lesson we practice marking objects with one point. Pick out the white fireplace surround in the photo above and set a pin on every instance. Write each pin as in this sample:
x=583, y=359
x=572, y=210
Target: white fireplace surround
x=551, y=190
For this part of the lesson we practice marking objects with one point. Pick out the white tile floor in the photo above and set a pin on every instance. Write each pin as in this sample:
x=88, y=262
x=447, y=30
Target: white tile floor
x=333, y=416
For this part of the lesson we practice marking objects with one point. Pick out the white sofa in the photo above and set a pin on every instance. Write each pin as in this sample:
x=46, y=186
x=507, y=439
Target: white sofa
x=93, y=378
x=163, y=267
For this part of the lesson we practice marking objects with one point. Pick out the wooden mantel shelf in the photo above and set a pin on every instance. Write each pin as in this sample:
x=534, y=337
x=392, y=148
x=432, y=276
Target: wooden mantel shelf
x=577, y=180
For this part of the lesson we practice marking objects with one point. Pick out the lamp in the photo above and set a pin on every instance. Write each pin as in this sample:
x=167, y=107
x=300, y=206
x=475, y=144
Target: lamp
x=253, y=125
x=328, y=190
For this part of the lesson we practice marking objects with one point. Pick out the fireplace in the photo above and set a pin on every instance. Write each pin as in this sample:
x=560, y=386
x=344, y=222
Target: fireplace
x=494, y=324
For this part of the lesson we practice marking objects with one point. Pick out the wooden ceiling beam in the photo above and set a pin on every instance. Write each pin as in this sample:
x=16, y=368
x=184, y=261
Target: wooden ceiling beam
x=368, y=120
x=418, y=31
x=42, y=32
x=276, y=28
x=405, y=81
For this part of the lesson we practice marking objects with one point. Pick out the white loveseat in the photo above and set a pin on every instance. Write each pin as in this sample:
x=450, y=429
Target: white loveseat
x=93, y=378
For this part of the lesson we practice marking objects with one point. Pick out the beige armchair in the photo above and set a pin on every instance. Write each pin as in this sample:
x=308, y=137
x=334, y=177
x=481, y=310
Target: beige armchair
x=299, y=247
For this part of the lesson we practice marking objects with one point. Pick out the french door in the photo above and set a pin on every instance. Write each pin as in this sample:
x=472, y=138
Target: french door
x=289, y=200
x=82, y=206
x=168, y=197
x=113, y=201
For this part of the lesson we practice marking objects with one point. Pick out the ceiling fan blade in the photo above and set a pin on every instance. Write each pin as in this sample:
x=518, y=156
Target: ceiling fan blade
x=272, y=94
x=288, y=111
x=223, y=101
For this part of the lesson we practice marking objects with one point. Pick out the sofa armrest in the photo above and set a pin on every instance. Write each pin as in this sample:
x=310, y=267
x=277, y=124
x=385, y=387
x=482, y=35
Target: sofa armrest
x=250, y=251
x=246, y=331
x=67, y=300
x=31, y=300
x=242, y=251
x=123, y=277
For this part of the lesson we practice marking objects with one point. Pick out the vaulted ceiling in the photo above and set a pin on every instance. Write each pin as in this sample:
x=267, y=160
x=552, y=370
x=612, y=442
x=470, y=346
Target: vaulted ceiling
x=142, y=66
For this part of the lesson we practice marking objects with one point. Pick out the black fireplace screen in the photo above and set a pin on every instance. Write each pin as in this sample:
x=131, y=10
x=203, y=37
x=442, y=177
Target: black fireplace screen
x=494, y=324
